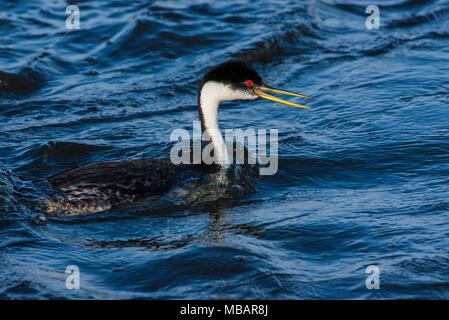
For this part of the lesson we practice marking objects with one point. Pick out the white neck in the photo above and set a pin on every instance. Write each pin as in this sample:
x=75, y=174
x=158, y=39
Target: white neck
x=212, y=93
x=210, y=97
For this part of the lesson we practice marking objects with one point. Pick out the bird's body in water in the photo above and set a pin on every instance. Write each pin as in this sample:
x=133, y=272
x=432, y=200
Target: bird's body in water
x=104, y=185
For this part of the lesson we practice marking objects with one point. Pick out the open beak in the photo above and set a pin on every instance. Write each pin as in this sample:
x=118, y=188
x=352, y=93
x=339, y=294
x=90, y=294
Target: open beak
x=258, y=90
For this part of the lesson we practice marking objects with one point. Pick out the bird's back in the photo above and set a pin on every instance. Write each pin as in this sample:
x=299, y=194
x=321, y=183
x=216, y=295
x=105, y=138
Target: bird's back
x=103, y=185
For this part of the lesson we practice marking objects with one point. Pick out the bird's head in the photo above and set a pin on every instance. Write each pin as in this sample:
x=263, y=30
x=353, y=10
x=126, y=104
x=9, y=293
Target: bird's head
x=237, y=80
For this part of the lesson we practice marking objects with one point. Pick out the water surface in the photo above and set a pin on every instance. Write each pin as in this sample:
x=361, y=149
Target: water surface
x=362, y=179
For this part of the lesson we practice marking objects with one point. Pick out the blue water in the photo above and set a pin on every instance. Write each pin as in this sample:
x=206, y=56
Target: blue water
x=363, y=176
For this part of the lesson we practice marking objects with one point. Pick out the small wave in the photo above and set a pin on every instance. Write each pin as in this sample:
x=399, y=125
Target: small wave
x=151, y=243
x=419, y=18
x=60, y=151
x=17, y=199
x=24, y=82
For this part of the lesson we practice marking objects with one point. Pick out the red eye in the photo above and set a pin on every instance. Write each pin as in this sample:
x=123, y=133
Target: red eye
x=249, y=83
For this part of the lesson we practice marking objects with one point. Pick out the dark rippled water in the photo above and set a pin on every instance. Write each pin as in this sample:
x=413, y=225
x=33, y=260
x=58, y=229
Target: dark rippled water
x=363, y=175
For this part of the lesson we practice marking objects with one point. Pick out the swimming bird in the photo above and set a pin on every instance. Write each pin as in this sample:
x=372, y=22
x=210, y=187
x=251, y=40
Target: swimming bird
x=104, y=185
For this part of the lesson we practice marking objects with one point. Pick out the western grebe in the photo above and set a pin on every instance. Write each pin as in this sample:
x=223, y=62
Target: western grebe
x=104, y=185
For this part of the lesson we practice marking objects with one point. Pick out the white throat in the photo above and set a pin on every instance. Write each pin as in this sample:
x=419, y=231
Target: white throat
x=212, y=93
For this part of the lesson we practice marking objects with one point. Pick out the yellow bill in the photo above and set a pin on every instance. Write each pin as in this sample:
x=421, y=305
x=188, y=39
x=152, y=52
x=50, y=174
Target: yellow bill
x=282, y=92
x=263, y=95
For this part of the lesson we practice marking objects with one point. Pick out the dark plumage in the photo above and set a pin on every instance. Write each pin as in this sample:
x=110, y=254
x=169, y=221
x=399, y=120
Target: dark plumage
x=103, y=185
x=232, y=72
x=126, y=177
